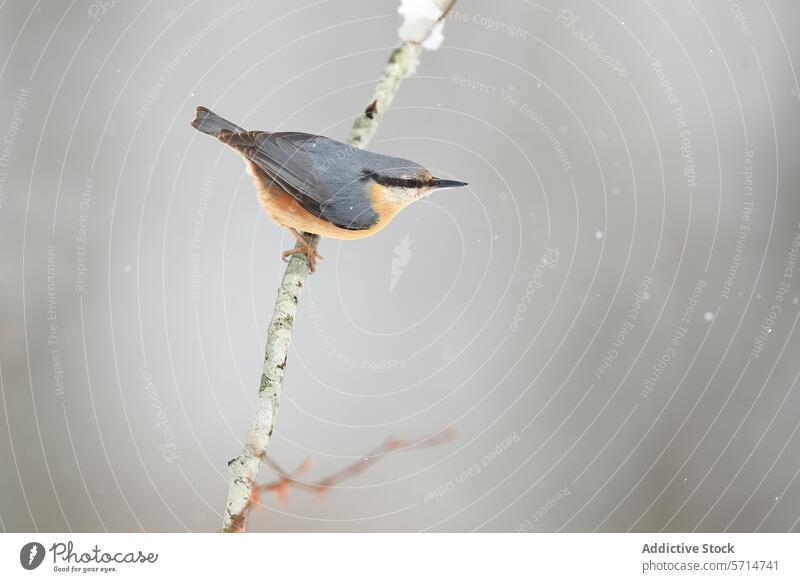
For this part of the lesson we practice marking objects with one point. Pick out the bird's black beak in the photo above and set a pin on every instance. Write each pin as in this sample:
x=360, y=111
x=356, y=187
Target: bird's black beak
x=439, y=183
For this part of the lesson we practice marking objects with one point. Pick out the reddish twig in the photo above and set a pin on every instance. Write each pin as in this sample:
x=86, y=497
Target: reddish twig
x=285, y=479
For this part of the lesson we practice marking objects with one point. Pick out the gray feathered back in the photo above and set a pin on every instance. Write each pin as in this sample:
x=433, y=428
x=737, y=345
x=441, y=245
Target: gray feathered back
x=333, y=179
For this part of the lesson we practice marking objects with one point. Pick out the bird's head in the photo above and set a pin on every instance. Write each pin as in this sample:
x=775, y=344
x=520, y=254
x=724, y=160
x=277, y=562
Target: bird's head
x=408, y=183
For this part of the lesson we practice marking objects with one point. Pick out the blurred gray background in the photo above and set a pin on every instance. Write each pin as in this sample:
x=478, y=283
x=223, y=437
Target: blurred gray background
x=606, y=315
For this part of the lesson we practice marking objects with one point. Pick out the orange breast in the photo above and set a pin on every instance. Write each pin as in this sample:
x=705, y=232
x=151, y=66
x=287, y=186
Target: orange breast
x=287, y=212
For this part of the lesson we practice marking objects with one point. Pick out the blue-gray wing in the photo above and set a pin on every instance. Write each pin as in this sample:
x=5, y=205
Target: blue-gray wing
x=325, y=176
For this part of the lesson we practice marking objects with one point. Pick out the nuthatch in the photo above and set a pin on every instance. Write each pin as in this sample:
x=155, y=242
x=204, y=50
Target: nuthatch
x=314, y=184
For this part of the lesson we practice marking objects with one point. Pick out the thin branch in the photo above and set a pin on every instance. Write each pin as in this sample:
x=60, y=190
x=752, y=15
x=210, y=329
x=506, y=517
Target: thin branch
x=287, y=480
x=243, y=470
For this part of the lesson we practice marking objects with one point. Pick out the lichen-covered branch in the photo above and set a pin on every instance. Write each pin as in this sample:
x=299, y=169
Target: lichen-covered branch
x=421, y=18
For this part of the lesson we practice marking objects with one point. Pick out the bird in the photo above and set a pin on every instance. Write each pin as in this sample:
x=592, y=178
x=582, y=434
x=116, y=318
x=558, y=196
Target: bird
x=314, y=184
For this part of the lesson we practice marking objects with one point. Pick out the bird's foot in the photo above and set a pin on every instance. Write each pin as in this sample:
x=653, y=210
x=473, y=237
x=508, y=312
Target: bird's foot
x=307, y=249
x=310, y=252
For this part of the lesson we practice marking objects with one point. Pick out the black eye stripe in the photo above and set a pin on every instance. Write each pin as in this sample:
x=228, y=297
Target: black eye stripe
x=392, y=181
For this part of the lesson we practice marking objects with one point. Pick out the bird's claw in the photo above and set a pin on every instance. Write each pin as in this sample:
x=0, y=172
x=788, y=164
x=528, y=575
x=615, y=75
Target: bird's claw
x=309, y=251
x=303, y=246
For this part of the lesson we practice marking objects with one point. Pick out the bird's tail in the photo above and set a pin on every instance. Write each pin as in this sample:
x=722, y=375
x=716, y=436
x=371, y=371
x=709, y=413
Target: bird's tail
x=209, y=122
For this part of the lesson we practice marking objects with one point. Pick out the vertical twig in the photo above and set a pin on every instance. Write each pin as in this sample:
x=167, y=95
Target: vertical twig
x=243, y=470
